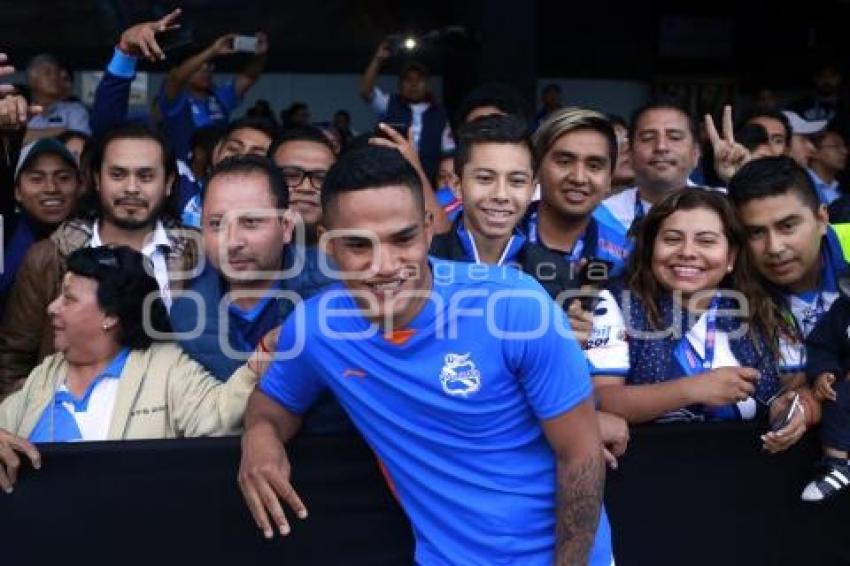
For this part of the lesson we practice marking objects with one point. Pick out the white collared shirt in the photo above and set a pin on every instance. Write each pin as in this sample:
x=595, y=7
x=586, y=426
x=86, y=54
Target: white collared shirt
x=153, y=250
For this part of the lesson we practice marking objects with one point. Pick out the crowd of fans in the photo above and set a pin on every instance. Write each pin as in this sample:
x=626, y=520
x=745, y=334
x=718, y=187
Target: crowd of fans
x=656, y=269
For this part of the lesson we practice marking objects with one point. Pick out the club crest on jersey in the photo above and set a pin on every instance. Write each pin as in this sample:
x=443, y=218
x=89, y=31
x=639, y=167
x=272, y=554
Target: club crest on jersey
x=459, y=375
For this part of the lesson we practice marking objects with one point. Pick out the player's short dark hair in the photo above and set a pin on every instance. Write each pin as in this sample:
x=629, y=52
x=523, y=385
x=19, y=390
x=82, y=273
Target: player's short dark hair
x=369, y=167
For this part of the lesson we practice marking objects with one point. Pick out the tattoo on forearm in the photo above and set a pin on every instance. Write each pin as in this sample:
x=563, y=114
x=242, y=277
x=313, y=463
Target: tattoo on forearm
x=580, y=490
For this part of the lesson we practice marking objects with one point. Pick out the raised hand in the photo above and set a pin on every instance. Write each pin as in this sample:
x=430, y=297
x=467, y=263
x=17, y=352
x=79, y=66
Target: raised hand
x=5, y=69
x=15, y=112
x=729, y=156
x=382, y=53
x=262, y=43
x=223, y=45
x=140, y=40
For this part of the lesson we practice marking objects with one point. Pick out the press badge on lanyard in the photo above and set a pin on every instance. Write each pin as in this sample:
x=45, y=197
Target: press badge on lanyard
x=688, y=357
x=692, y=363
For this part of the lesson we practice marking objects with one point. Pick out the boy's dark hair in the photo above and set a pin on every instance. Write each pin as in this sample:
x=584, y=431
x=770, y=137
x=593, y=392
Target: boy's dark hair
x=491, y=129
x=90, y=206
x=662, y=104
x=751, y=135
x=206, y=137
x=300, y=133
x=258, y=123
x=769, y=177
x=773, y=115
x=369, y=167
x=247, y=164
x=498, y=95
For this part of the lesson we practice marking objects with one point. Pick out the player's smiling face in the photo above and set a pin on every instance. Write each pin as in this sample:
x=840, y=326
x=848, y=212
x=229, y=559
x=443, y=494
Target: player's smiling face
x=379, y=239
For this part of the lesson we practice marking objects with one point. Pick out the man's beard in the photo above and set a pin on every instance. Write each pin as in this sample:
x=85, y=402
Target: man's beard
x=131, y=223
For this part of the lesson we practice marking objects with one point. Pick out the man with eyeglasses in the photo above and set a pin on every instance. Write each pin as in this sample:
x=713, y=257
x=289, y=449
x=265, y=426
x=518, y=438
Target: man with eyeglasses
x=304, y=156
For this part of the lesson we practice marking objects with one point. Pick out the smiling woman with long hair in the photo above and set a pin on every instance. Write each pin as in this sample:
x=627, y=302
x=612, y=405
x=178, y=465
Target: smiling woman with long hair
x=693, y=336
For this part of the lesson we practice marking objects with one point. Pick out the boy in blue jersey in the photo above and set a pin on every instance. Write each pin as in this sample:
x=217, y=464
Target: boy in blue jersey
x=462, y=378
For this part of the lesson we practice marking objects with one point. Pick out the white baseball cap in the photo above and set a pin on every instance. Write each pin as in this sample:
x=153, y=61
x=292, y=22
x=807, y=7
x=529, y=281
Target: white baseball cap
x=803, y=127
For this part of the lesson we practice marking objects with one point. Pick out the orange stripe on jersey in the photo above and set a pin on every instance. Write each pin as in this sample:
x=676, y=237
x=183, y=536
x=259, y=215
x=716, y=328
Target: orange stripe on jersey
x=399, y=337
x=387, y=477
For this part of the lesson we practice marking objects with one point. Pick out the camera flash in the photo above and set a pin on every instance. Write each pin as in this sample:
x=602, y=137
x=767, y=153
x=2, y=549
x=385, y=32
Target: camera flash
x=410, y=44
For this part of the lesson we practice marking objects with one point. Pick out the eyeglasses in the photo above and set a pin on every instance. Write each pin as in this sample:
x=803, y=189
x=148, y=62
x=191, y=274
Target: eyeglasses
x=294, y=176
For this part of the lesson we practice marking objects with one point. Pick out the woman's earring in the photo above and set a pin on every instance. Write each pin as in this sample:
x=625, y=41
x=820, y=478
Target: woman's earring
x=729, y=268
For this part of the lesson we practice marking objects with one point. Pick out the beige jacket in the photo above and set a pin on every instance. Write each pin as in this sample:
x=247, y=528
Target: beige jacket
x=25, y=332
x=162, y=393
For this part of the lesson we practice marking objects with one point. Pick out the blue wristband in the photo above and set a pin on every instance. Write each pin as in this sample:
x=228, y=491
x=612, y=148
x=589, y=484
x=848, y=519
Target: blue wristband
x=122, y=65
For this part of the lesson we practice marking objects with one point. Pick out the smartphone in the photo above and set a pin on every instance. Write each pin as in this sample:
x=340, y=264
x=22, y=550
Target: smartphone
x=174, y=39
x=245, y=43
x=784, y=418
x=399, y=127
x=595, y=273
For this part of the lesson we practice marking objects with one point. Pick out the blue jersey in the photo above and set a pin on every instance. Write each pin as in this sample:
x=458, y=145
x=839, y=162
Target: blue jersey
x=607, y=241
x=452, y=406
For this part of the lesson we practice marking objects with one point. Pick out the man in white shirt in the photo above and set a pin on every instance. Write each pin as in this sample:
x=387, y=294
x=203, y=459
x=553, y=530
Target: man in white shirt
x=664, y=151
x=413, y=106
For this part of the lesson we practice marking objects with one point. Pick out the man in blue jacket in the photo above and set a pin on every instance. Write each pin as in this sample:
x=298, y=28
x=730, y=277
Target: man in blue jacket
x=254, y=274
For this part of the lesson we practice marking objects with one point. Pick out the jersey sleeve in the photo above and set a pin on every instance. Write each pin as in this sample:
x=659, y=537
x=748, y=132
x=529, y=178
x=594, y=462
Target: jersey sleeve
x=292, y=380
x=171, y=107
x=607, y=348
x=380, y=102
x=78, y=118
x=227, y=96
x=548, y=361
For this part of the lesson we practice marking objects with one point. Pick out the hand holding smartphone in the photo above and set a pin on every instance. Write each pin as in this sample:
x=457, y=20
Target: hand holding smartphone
x=785, y=417
x=245, y=43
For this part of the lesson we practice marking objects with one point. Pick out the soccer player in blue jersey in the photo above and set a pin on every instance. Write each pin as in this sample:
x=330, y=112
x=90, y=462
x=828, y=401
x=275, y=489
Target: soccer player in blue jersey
x=463, y=378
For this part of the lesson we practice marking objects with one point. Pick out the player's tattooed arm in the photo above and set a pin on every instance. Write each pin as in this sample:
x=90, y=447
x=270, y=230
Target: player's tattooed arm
x=580, y=489
x=574, y=438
